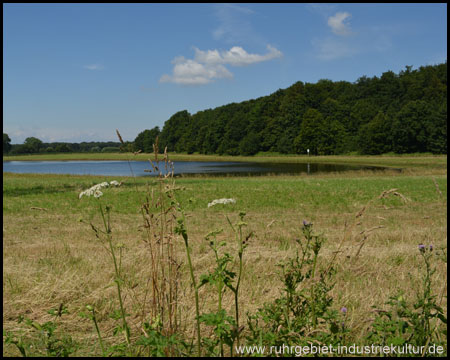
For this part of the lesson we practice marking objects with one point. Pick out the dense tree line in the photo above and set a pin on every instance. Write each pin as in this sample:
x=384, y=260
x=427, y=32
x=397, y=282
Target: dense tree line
x=33, y=145
x=401, y=113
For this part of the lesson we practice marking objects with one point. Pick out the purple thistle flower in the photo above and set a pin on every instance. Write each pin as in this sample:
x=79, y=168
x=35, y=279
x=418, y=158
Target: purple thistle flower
x=421, y=247
x=306, y=223
x=344, y=310
x=431, y=247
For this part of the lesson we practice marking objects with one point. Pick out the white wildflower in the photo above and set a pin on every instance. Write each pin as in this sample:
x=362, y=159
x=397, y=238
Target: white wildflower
x=95, y=190
x=90, y=191
x=222, y=201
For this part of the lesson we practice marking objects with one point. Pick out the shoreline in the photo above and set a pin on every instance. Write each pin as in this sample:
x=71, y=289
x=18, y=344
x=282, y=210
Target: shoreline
x=389, y=161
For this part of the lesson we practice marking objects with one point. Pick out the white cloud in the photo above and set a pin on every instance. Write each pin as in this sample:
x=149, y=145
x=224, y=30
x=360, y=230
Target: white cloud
x=94, y=67
x=337, y=24
x=331, y=48
x=210, y=65
x=236, y=56
x=190, y=72
x=208, y=57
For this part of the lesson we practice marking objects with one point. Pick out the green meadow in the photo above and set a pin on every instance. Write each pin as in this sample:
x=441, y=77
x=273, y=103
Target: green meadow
x=55, y=256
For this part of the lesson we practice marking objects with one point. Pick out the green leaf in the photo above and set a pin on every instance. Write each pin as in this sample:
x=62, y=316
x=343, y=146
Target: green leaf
x=334, y=328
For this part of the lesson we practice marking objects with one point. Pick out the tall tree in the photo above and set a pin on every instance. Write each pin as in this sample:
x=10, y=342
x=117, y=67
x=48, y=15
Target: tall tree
x=375, y=137
x=173, y=131
x=412, y=127
x=312, y=133
x=32, y=144
x=249, y=145
x=6, y=143
x=145, y=140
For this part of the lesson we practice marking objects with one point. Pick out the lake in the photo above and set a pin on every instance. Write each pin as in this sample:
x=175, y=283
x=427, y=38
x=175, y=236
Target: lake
x=141, y=168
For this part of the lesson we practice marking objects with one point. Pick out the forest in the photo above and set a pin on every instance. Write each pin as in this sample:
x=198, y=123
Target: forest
x=400, y=113
x=394, y=113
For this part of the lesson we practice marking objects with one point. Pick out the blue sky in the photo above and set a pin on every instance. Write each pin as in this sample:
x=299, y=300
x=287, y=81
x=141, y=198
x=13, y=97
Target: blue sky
x=77, y=72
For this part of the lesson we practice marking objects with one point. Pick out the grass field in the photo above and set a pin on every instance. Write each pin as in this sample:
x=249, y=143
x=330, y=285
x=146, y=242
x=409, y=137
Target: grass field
x=51, y=256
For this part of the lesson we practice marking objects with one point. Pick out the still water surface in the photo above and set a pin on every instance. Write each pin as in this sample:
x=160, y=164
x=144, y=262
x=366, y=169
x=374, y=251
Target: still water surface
x=140, y=168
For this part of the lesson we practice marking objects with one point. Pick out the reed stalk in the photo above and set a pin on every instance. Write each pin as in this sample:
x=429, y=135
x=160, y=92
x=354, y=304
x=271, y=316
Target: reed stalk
x=117, y=279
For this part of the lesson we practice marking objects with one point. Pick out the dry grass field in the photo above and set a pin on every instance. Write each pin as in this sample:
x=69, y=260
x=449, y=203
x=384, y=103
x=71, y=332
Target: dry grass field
x=51, y=255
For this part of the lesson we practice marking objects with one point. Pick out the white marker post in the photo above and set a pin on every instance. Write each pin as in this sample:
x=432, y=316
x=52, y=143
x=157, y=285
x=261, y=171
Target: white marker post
x=308, y=151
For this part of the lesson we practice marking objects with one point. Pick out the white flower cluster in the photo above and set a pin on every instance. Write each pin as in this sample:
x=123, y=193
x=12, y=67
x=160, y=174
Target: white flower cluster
x=222, y=201
x=95, y=190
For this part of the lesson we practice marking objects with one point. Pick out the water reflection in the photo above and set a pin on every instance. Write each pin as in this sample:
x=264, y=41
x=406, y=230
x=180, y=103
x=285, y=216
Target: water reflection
x=140, y=168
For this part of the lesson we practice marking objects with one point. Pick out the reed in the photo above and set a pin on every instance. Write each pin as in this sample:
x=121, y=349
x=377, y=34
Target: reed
x=158, y=215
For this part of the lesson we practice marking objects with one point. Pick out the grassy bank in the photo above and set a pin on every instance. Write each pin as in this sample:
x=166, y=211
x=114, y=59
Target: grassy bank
x=52, y=258
x=398, y=161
